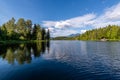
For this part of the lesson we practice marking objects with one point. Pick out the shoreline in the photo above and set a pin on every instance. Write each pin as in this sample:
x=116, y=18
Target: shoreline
x=19, y=41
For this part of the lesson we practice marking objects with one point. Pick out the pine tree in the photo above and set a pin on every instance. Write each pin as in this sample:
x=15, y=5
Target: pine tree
x=48, y=35
x=43, y=34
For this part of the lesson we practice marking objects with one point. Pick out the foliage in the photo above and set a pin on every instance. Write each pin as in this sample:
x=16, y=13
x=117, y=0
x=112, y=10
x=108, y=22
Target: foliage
x=22, y=30
x=110, y=32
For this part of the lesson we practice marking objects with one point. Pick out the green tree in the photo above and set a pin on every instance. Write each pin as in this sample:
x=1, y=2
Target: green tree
x=48, y=35
x=118, y=33
x=3, y=32
x=39, y=32
x=108, y=32
x=29, y=29
x=43, y=34
x=21, y=28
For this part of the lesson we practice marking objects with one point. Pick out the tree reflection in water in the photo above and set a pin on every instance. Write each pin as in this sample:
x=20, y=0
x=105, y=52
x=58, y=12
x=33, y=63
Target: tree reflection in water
x=22, y=53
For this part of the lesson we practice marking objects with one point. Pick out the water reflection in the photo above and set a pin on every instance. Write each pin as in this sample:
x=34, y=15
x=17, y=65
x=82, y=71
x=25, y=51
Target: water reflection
x=62, y=60
x=23, y=53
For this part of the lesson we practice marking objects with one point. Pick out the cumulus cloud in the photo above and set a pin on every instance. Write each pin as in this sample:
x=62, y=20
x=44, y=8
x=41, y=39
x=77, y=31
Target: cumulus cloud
x=73, y=22
x=49, y=23
x=74, y=25
x=66, y=27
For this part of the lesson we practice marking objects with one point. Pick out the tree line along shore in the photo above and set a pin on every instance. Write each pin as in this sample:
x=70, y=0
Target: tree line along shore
x=108, y=33
x=23, y=30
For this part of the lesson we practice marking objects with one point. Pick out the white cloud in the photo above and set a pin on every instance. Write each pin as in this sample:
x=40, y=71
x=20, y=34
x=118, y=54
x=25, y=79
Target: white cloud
x=49, y=23
x=62, y=24
x=83, y=31
x=111, y=16
x=113, y=13
x=82, y=20
x=64, y=27
x=51, y=29
x=73, y=22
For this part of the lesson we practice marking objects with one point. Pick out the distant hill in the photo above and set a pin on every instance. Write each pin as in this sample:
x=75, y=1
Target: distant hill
x=73, y=35
x=69, y=37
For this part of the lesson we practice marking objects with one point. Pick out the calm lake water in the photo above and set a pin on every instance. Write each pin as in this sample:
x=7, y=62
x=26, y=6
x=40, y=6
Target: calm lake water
x=60, y=60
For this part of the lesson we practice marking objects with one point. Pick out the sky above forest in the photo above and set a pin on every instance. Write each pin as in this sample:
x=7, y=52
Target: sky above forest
x=63, y=17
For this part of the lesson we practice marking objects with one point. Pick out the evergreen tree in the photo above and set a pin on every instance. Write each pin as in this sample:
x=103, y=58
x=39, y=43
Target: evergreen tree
x=43, y=34
x=29, y=29
x=39, y=33
x=48, y=35
x=34, y=33
x=108, y=32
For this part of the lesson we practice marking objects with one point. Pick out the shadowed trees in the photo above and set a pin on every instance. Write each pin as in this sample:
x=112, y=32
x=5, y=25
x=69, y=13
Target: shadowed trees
x=23, y=53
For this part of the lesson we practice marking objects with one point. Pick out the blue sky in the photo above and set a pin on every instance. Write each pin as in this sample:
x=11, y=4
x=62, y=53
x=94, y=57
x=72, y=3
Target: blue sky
x=63, y=17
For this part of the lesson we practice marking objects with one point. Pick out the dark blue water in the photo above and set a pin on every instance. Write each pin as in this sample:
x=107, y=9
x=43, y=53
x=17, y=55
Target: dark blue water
x=60, y=60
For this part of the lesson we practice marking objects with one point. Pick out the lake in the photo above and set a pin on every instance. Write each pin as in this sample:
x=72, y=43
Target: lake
x=60, y=60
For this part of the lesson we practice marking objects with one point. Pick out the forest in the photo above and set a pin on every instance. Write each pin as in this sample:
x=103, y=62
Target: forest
x=22, y=30
x=110, y=32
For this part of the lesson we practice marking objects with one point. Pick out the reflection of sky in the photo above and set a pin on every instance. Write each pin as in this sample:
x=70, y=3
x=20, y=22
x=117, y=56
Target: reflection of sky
x=67, y=49
x=96, y=57
x=83, y=48
x=87, y=58
x=2, y=62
